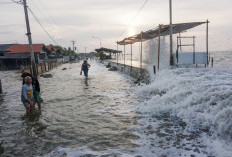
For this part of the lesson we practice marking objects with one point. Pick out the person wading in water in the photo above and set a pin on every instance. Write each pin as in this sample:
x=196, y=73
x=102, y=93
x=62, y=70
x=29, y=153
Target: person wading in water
x=85, y=67
x=27, y=94
x=36, y=89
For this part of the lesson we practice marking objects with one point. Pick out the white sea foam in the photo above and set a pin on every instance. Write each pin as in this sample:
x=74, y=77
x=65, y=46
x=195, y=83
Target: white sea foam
x=201, y=99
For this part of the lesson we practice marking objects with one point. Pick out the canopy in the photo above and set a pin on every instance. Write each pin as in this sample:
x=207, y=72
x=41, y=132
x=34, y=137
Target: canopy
x=106, y=50
x=162, y=30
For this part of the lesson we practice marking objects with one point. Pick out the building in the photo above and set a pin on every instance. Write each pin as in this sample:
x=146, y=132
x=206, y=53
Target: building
x=3, y=48
x=15, y=55
x=86, y=55
x=53, y=52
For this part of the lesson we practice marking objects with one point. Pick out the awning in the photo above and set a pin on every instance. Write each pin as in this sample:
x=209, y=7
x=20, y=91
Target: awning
x=106, y=50
x=164, y=31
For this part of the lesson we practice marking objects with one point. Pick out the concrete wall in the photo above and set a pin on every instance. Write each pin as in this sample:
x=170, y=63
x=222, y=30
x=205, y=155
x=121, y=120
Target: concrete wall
x=134, y=72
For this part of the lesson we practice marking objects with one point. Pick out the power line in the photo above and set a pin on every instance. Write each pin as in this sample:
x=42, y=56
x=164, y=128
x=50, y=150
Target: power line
x=42, y=26
x=140, y=9
x=48, y=19
x=6, y=2
x=18, y=2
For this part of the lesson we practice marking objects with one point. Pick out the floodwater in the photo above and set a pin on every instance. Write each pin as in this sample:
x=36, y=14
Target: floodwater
x=76, y=113
x=183, y=112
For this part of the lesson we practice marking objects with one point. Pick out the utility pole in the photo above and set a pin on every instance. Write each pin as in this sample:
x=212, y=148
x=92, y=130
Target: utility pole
x=73, y=42
x=34, y=72
x=171, y=32
x=99, y=40
x=85, y=51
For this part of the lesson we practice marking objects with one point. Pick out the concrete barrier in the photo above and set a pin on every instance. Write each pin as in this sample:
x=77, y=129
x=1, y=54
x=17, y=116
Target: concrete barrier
x=141, y=75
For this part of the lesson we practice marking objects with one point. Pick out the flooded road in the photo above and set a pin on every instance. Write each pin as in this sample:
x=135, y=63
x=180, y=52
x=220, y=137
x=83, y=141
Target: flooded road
x=183, y=112
x=77, y=114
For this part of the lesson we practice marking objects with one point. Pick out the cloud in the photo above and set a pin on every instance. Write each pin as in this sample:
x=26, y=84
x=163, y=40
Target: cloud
x=79, y=20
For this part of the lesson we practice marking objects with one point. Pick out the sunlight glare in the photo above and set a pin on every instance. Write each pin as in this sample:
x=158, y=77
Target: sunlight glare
x=131, y=31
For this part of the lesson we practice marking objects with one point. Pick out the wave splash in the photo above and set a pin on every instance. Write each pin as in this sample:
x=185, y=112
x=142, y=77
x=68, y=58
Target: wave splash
x=187, y=111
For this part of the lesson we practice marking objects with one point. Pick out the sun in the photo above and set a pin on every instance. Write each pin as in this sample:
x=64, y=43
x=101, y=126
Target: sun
x=131, y=31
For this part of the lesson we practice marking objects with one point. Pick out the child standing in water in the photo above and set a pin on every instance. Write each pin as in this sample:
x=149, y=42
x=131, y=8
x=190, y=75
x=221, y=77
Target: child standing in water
x=27, y=94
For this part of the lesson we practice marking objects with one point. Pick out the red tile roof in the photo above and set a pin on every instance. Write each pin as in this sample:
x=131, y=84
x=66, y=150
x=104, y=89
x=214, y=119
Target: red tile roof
x=49, y=47
x=24, y=48
x=55, y=49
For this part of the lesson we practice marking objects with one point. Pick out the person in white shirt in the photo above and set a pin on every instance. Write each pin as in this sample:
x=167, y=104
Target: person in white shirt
x=27, y=94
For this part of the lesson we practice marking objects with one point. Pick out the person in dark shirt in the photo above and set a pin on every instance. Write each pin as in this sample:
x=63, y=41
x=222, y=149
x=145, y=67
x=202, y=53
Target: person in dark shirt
x=36, y=92
x=85, y=67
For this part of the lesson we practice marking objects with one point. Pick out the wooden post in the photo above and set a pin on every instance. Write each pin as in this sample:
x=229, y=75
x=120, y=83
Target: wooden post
x=141, y=53
x=177, y=48
x=212, y=62
x=131, y=56
x=124, y=57
x=117, y=54
x=159, y=48
x=41, y=68
x=0, y=87
x=194, y=54
x=207, y=40
x=180, y=41
x=45, y=69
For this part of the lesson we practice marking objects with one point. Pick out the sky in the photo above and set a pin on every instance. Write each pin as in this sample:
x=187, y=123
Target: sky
x=113, y=20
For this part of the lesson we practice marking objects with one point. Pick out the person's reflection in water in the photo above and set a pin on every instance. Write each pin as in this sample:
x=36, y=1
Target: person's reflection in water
x=32, y=123
x=86, y=82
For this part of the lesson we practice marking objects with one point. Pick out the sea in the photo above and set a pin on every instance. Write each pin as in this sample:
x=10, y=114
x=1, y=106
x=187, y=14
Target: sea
x=183, y=111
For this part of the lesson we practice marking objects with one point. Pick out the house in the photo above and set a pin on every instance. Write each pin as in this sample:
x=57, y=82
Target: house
x=53, y=52
x=23, y=50
x=3, y=48
x=15, y=55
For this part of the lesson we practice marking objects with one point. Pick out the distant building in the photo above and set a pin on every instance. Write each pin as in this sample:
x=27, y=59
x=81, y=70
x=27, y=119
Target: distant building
x=53, y=52
x=86, y=55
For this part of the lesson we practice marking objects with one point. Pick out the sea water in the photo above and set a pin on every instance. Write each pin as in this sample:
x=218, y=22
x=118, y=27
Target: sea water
x=183, y=112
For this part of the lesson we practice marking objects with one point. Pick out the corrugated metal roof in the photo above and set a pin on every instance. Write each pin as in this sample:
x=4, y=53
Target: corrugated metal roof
x=153, y=33
x=106, y=50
